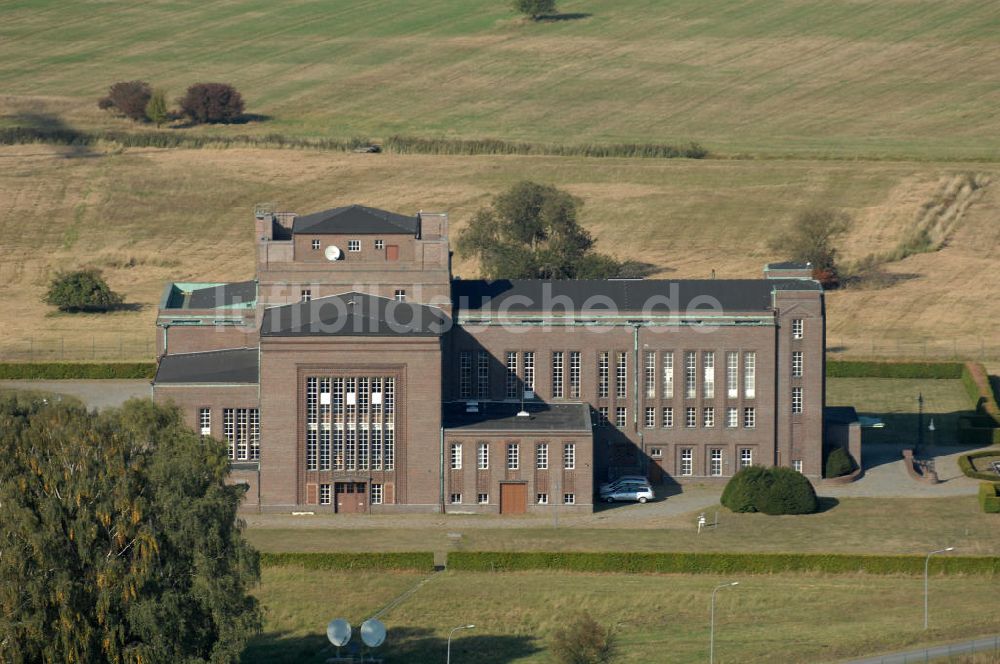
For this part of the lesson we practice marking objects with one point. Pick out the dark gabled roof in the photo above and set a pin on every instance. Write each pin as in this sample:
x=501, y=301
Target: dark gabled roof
x=353, y=314
x=789, y=265
x=356, y=219
x=224, y=295
x=502, y=416
x=230, y=366
x=621, y=295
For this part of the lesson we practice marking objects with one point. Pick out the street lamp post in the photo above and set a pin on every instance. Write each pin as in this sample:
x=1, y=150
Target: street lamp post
x=920, y=419
x=452, y=633
x=927, y=565
x=711, y=640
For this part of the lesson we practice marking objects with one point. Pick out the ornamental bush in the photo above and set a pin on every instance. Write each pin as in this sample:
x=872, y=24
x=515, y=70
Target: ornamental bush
x=82, y=290
x=838, y=463
x=771, y=491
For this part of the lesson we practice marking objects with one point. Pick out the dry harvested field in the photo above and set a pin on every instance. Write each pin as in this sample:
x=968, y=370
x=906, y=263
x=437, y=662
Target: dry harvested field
x=147, y=216
x=842, y=78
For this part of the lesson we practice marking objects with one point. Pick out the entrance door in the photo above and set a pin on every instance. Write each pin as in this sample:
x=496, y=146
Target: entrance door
x=392, y=252
x=513, y=498
x=352, y=497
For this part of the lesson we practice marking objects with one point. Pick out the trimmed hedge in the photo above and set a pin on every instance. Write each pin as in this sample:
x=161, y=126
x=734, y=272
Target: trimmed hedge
x=71, y=370
x=775, y=490
x=977, y=385
x=965, y=464
x=717, y=563
x=862, y=369
x=989, y=497
x=421, y=560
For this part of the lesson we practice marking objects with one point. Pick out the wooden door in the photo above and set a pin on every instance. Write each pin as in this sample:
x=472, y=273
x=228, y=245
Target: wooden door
x=513, y=498
x=392, y=252
x=352, y=497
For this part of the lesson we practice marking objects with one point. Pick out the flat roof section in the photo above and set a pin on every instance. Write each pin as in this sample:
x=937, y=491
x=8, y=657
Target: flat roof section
x=237, y=294
x=232, y=366
x=353, y=315
x=502, y=416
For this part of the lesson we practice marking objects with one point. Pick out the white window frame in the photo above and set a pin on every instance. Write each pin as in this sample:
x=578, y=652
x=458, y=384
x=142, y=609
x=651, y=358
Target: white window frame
x=650, y=417
x=380, y=244
x=483, y=499
x=798, y=361
x=558, y=368
x=690, y=374
x=667, y=418
x=569, y=456
x=690, y=417
x=621, y=416
x=400, y=295
x=656, y=452
x=715, y=462
x=797, y=400
x=483, y=374
x=542, y=456
x=377, y=494
x=528, y=361
x=732, y=417
x=708, y=417
x=316, y=245
x=603, y=373
x=456, y=456
x=354, y=246
x=798, y=328
x=603, y=416
x=750, y=374
x=667, y=360
x=483, y=456
x=305, y=295
x=687, y=461
x=708, y=371
x=455, y=499
x=513, y=456
x=732, y=374
x=621, y=375
x=746, y=457
x=797, y=465
x=650, y=374
x=205, y=421
x=574, y=374
x=325, y=497
x=569, y=499
x=512, y=379
x=749, y=417
x=541, y=499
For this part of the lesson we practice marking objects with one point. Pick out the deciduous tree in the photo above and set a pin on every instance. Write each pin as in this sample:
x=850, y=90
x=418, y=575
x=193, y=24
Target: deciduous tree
x=535, y=9
x=156, y=109
x=811, y=239
x=212, y=102
x=81, y=290
x=128, y=98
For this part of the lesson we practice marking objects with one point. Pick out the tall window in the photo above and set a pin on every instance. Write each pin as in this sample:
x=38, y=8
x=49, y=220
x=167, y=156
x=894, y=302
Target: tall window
x=797, y=363
x=513, y=456
x=715, y=462
x=690, y=417
x=687, y=461
x=512, y=375
x=602, y=374
x=732, y=417
x=690, y=375
x=349, y=423
x=746, y=457
x=708, y=364
x=602, y=416
x=797, y=329
x=542, y=456
x=557, y=374
x=621, y=415
x=456, y=456
x=241, y=429
x=465, y=374
x=650, y=417
x=732, y=374
x=324, y=494
x=205, y=421
x=621, y=375
x=483, y=456
x=483, y=374
x=668, y=418
x=569, y=456
x=668, y=375
x=529, y=370
x=750, y=374
x=574, y=374
x=650, y=375
x=708, y=419
x=377, y=494
x=749, y=417
x=796, y=399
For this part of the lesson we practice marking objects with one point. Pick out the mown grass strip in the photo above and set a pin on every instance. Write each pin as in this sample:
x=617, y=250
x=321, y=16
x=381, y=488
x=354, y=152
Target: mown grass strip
x=875, y=369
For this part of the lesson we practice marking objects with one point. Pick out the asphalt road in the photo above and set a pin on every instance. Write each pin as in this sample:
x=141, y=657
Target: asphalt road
x=93, y=393
x=989, y=644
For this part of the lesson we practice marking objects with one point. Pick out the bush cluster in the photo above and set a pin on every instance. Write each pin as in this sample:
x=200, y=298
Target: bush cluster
x=776, y=490
x=967, y=467
x=71, y=370
x=82, y=290
x=839, y=463
x=715, y=563
x=420, y=560
x=989, y=497
x=861, y=369
x=201, y=103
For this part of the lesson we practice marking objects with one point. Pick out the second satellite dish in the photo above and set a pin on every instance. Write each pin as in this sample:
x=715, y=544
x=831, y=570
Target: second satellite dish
x=339, y=632
x=333, y=253
x=372, y=633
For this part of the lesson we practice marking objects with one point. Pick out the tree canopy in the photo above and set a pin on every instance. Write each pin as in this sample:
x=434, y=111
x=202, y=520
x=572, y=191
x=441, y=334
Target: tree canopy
x=811, y=239
x=118, y=539
x=531, y=231
x=535, y=8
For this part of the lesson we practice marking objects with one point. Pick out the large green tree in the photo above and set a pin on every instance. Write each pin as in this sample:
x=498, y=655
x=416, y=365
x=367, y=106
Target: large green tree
x=812, y=238
x=531, y=231
x=118, y=539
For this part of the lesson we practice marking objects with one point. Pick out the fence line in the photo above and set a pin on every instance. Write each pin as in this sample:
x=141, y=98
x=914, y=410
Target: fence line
x=939, y=654
x=930, y=349
x=80, y=349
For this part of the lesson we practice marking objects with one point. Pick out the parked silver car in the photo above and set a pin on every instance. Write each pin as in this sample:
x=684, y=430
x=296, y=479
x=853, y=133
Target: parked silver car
x=624, y=479
x=633, y=491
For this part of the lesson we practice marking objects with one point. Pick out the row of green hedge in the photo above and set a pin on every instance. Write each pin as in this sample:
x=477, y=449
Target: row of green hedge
x=717, y=563
x=977, y=384
x=863, y=369
x=989, y=497
x=965, y=464
x=72, y=370
x=421, y=560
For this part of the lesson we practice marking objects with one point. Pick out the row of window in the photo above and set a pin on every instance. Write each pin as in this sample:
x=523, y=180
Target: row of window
x=305, y=295
x=326, y=495
x=715, y=460
x=540, y=499
x=352, y=245
x=666, y=418
x=350, y=423
x=513, y=458
x=240, y=429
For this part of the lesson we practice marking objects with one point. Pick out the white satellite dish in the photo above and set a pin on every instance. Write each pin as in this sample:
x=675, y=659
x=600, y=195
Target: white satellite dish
x=373, y=632
x=333, y=253
x=339, y=632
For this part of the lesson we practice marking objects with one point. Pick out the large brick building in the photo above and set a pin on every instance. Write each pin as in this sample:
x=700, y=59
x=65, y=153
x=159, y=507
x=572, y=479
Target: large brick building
x=354, y=374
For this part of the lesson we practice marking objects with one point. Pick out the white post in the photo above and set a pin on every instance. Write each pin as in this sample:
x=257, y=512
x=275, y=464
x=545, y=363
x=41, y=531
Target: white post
x=927, y=565
x=450, y=634
x=711, y=639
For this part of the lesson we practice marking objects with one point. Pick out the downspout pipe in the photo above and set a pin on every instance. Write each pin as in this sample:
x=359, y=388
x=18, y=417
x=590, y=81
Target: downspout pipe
x=441, y=470
x=635, y=398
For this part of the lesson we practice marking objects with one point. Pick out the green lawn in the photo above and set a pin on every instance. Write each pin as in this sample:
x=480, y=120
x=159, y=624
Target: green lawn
x=786, y=618
x=767, y=77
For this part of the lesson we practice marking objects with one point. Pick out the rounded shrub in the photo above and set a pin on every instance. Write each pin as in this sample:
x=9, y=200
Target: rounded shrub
x=838, y=462
x=82, y=290
x=771, y=491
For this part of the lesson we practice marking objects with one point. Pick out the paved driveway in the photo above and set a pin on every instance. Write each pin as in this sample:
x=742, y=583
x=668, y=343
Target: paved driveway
x=93, y=393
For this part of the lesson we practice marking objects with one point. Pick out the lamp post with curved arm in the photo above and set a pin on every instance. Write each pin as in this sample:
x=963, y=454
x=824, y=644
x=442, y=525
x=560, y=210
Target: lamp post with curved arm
x=711, y=640
x=452, y=633
x=927, y=565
